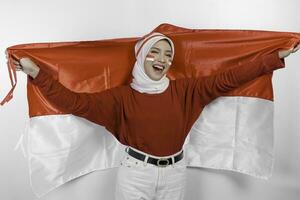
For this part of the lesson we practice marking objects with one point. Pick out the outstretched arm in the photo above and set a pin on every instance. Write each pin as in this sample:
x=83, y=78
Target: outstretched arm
x=217, y=85
x=211, y=87
x=101, y=107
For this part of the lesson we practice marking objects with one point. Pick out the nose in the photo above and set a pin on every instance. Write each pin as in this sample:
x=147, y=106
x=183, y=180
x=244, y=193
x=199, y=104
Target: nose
x=162, y=58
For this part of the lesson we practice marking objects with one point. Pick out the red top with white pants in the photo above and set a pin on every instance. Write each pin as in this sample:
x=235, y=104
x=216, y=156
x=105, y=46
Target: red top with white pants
x=156, y=124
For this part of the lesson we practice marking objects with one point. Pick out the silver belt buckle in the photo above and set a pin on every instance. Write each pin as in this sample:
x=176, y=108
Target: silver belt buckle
x=162, y=159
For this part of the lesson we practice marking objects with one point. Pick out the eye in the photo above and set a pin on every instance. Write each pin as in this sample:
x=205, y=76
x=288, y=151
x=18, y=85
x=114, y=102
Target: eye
x=169, y=55
x=153, y=51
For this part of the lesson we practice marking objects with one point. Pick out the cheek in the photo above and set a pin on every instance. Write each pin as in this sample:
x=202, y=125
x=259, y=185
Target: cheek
x=167, y=69
x=148, y=62
x=147, y=66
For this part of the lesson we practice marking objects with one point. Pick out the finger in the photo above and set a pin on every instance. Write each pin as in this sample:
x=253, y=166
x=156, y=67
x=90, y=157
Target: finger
x=16, y=62
x=18, y=67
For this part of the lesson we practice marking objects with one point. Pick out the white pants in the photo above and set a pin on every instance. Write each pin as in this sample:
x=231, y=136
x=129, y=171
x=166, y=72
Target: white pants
x=138, y=180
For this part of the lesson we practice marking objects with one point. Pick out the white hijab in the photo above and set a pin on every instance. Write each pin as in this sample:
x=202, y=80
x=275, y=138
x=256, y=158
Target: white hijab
x=141, y=82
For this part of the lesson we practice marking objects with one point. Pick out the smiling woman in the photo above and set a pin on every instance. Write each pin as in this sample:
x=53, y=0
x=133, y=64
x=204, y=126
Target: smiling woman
x=154, y=55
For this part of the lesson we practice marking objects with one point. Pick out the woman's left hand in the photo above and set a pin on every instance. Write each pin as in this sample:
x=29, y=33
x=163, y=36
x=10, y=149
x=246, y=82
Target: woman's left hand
x=285, y=53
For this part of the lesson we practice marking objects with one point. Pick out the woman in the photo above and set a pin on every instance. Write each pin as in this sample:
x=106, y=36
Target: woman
x=152, y=115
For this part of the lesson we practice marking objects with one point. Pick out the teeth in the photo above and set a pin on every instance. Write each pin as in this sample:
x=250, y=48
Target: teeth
x=158, y=66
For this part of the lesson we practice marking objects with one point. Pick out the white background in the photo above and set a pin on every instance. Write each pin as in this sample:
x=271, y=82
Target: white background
x=33, y=21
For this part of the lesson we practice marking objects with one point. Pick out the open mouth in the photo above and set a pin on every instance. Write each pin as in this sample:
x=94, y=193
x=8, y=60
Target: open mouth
x=158, y=68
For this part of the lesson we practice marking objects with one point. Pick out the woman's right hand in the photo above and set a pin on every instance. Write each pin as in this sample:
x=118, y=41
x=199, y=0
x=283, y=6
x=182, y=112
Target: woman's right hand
x=27, y=66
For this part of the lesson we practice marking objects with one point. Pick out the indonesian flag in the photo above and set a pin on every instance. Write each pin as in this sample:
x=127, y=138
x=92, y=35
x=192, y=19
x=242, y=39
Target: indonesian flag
x=234, y=132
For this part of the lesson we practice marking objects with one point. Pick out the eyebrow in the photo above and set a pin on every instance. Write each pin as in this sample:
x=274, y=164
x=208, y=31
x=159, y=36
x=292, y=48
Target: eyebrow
x=159, y=49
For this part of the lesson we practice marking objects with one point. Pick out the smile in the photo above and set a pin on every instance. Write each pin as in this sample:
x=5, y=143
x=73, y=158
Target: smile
x=158, y=67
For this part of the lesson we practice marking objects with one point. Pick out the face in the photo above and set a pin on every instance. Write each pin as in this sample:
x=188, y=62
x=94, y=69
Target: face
x=158, y=60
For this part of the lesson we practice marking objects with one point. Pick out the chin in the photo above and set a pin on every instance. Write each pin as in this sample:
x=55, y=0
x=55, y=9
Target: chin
x=156, y=78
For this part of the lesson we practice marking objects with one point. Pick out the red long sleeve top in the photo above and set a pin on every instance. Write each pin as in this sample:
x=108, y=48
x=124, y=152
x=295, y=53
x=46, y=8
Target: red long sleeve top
x=153, y=123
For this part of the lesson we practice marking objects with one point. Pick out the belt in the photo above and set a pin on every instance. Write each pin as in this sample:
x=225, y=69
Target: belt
x=160, y=162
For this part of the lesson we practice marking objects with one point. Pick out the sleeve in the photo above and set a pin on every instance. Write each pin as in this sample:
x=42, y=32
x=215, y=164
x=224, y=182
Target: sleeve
x=210, y=87
x=195, y=93
x=101, y=107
